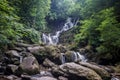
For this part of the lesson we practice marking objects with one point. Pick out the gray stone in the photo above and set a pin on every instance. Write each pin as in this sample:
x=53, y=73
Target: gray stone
x=102, y=72
x=30, y=65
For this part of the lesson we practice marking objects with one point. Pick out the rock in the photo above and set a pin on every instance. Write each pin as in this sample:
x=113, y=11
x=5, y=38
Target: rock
x=26, y=77
x=43, y=78
x=3, y=78
x=62, y=48
x=36, y=49
x=48, y=63
x=10, y=77
x=68, y=56
x=62, y=78
x=12, y=53
x=76, y=72
x=13, y=57
x=11, y=69
x=2, y=69
x=102, y=72
x=45, y=73
x=30, y=65
x=52, y=51
x=23, y=45
x=19, y=49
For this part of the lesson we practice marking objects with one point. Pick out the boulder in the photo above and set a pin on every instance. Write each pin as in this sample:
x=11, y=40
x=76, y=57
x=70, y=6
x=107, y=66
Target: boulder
x=43, y=78
x=76, y=72
x=11, y=69
x=12, y=53
x=35, y=49
x=45, y=73
x=52, y=51
x=10, y=77
x=12, y=57
x=48, y=63
x=62, y=78
x=23, y=45
x=30, y=65
x=19, y=49
x=102, y=72
x=62, y=48
x=68, y=56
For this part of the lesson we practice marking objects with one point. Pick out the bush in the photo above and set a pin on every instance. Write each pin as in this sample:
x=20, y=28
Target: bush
x=31, y=36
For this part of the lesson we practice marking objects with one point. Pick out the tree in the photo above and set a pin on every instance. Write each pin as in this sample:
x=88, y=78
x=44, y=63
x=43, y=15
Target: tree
x=9, y=25
x=34, y=12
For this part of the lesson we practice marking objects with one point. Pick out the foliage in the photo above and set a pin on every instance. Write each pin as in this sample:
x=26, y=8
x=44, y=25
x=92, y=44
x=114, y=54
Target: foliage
x=30, y=36
x=63, y=9
x=100, y=26
x=8, y=24
x=34, y=12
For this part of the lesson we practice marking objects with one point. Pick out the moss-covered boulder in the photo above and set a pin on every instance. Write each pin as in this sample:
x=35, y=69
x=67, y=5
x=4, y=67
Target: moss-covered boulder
x=30, y=65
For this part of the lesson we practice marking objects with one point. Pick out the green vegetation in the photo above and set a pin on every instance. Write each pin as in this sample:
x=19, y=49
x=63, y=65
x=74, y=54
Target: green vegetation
x=99, y=22
x=100, y=26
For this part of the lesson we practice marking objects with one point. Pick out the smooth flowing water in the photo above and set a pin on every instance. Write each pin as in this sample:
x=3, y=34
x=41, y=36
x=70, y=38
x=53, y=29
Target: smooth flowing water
x=62, y=58
x=54, y=39
x=76, y=56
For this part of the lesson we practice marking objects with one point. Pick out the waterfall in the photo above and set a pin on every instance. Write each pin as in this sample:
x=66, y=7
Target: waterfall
x=114, y=78
x=54, y=39
x=62, y=58
x=21, y=58
x=76, y=56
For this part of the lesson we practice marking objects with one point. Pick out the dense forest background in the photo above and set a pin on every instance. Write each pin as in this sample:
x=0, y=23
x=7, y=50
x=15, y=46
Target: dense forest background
x=99, y=22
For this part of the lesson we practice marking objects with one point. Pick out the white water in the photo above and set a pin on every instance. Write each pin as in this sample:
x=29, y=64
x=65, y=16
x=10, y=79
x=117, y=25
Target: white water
x=114, y=78
x=54, y=39
x=62, y=58
x=76, y=56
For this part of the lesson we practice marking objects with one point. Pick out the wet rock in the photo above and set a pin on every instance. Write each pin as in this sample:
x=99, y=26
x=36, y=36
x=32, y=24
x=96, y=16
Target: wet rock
x=62, y=48
x=76, y=72
x=68, y=55
x=46, y=73
x=23, y=45
x=35, y=49
x=19, y=49
x=10, y=77
x=30, y=65
x=25, y=77
x=62, y=78
x=2, y=69
x=43, y=78
x=3, y=78
x=12, y=53
x=11, y=69
x=52, y=51
x=102, y=72
x=48, y=63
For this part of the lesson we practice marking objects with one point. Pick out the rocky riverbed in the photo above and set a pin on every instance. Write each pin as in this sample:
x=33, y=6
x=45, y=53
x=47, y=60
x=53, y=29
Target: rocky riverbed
x=43, y=62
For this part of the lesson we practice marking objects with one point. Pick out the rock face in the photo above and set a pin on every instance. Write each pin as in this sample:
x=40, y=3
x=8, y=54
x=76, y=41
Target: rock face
x=103, y=73
x=30, y=65
x=76, y=72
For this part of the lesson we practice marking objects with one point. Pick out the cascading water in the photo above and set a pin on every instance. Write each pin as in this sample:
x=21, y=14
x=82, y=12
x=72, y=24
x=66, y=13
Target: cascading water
x=114, y=78
x=62, y=58
x=76, y=56
x=54, y=39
